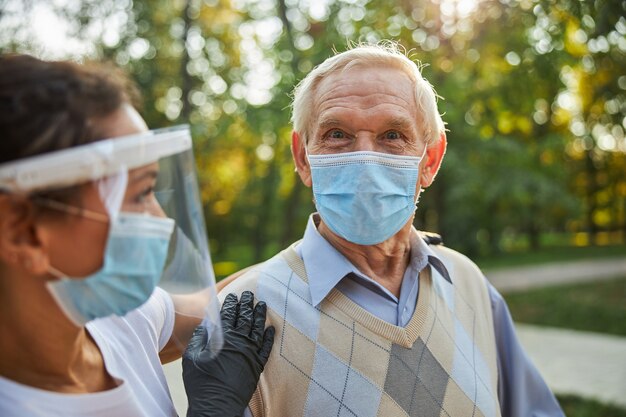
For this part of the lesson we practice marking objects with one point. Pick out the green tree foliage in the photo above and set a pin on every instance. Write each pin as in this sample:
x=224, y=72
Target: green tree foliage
x=534, y=100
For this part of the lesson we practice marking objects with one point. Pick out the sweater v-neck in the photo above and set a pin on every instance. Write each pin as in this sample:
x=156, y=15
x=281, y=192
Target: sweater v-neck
x=403, y=336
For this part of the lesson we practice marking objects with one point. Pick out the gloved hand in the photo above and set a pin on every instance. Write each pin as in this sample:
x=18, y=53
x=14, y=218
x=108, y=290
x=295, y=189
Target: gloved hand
x=222, y=385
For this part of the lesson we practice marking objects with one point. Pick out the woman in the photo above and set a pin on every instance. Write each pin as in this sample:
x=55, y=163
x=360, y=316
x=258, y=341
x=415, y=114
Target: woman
x=95, y=211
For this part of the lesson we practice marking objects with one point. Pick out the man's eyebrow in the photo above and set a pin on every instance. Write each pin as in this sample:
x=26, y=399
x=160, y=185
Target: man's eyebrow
x=326, y=123
x=401, y=124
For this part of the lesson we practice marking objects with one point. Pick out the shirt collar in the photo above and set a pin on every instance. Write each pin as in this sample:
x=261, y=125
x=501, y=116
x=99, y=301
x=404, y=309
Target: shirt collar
x=326, y=266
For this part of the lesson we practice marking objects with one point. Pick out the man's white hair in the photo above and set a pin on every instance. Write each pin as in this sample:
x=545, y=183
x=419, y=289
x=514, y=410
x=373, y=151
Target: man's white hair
x=384, y=54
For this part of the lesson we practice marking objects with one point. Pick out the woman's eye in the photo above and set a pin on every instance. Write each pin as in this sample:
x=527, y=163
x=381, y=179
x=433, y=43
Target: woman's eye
x=141, y=197
x=392, y=134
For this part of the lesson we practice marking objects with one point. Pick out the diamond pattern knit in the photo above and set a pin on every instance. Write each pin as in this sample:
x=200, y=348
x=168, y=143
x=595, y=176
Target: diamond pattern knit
x=337, y=359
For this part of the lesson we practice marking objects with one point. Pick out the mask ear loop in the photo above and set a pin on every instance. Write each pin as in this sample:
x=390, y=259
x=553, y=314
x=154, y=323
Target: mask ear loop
x=306, y=155
x=418, y=192
x=111, y=190
x=77, y=211
x=424, y=152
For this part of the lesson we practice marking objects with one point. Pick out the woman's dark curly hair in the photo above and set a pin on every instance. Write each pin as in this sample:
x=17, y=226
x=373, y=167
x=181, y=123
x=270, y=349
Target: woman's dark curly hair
x=47, y=106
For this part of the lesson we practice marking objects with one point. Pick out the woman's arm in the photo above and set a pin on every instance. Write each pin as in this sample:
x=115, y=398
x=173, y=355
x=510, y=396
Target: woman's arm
x=189, y=310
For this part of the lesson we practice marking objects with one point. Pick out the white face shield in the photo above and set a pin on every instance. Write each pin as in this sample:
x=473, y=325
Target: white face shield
x=152, y=173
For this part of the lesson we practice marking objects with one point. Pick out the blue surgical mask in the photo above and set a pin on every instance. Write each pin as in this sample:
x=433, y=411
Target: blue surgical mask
x=364, y=197
x=134, y=256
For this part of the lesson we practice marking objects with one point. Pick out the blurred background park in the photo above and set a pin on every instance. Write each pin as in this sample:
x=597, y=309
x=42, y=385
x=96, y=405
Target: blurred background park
x=533, y=93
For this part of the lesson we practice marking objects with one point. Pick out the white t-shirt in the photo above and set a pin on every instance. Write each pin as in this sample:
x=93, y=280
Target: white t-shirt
x=130, y=347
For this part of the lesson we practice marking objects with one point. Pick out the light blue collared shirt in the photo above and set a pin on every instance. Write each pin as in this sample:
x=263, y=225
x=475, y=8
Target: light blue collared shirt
x=337, y=272
x=522, y=391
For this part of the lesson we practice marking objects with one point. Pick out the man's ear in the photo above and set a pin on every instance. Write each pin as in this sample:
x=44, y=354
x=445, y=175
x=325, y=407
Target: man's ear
x=20, y=244
x=300, y=159
x=432, y=161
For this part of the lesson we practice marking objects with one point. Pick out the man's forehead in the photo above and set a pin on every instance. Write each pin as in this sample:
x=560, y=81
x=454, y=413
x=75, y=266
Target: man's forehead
x=365, y=92
x=366, y=81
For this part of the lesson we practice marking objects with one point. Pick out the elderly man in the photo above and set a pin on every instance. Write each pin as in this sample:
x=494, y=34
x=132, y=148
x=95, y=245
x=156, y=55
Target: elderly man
x=370, y=319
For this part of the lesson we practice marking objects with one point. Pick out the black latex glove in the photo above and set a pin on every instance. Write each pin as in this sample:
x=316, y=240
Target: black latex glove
x=222, y=385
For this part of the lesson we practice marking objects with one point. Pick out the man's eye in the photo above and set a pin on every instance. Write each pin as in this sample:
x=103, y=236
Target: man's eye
x=392, y=134
x=336, y=134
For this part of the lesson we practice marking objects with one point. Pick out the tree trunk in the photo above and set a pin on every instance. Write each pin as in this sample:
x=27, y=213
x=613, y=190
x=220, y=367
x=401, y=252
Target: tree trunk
x=268, y=187
x=533, y=236
x=592, y=188
x=186, y=81
x=292, y=203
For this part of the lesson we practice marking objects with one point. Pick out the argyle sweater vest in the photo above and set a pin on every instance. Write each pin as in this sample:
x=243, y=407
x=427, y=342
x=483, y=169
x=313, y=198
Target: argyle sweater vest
x=337, y=359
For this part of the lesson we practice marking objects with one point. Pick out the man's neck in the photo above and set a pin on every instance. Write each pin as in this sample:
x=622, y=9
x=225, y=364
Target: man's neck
x=385, y=262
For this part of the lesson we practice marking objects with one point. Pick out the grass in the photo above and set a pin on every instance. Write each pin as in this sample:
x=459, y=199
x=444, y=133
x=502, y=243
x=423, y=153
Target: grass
x=597, y=307
x=574, y=406
x=551, y=254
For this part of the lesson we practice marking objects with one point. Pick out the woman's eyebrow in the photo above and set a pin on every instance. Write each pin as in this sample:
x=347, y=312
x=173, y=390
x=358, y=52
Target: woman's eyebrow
x=149, y=174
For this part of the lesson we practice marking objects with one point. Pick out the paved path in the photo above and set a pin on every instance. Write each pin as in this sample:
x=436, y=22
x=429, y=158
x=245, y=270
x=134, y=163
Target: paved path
x=587, y=364
x=523, y=278
x=174, y=375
